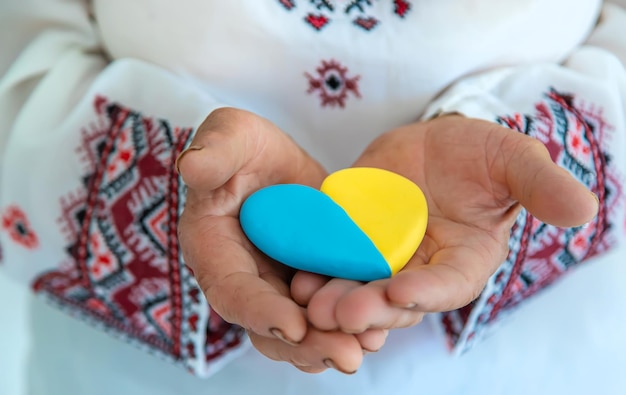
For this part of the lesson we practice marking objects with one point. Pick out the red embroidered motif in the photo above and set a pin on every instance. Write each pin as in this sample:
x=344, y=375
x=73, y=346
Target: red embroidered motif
x=333, y=84
x=317, y=21
x=124, y=267
x=366, y=23
x=15, y=222
x=402, y=7
x=540, y=254
x=321, y=12
x=288, y=4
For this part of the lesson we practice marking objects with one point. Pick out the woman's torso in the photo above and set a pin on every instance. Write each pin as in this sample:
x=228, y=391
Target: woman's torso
x=335, y=73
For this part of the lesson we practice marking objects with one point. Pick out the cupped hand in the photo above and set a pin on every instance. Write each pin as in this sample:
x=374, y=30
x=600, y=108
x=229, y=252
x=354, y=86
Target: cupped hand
x=476, y=175
x=233, y=154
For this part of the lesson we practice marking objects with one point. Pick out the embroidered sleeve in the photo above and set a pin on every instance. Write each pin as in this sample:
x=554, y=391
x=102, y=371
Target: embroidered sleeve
x=90, y=199
x=578, y=110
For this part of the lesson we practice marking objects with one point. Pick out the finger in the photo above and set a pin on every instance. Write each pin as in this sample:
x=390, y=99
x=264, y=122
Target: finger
x=372, y=340
x=321, y=310
x=546, y=190
x=229, y=277
x=353, y=307
x=453, y=278
x=223, y=144
x=318, y=351
x=249, y=301
x=367, y=307
x=304, y=285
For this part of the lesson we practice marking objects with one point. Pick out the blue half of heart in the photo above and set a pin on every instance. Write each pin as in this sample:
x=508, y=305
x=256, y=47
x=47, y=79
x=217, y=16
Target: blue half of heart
x=305, y=229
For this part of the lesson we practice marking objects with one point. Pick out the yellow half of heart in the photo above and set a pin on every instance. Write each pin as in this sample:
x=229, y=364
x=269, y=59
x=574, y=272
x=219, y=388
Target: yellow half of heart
x=387, y=207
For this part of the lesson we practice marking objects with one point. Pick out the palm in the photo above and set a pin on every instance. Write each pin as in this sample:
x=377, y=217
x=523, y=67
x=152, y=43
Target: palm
x=240, y=153
x=473, y=174
x=235, y=153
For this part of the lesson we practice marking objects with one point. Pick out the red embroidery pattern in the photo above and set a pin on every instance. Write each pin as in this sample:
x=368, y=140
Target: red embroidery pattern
x=540, y=254
x=288, y=4
x=402, y=7
x=317, y=21
x=333, y=84
x=321, y=12
x=366, y=23
x=124, y=269
x=15, y=222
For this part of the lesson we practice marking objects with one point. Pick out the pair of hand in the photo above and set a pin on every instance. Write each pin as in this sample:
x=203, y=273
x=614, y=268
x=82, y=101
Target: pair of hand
x=476, y=175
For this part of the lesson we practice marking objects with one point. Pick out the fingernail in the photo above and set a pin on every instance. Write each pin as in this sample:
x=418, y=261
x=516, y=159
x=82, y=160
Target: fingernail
x=331, y=364
x=190, y=269
x=354, y=331
x=366, y=351
x=183, y=153
x=281, y=336
x=441, y=113
x=595, y=197
x=409, y=306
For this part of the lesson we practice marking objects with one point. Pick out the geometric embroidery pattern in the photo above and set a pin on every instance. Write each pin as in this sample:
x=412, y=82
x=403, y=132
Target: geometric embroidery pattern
x=333, y=84
x=322, y=12
x=16, y=224
x=577, y=139
x=124, y=270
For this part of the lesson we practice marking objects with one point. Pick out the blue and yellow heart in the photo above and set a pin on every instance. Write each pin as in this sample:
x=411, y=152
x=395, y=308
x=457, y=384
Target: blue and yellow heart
x=363, y=224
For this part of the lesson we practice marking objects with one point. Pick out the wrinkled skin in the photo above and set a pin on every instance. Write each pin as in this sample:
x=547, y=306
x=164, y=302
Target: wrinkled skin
x=476, y=175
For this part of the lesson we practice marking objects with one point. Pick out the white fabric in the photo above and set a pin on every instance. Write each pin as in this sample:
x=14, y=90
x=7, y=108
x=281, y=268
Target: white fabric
x=549, y=347
x=180, y=60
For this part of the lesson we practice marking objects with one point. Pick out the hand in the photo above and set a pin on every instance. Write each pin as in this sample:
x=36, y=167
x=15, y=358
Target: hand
x=475, y=175
x=233, y=154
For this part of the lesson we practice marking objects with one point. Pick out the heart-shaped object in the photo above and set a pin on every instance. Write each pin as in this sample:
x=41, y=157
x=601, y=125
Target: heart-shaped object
x=363, y=224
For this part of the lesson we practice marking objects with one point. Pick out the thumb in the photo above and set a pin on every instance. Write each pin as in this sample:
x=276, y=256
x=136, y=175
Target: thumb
x=547, y=191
